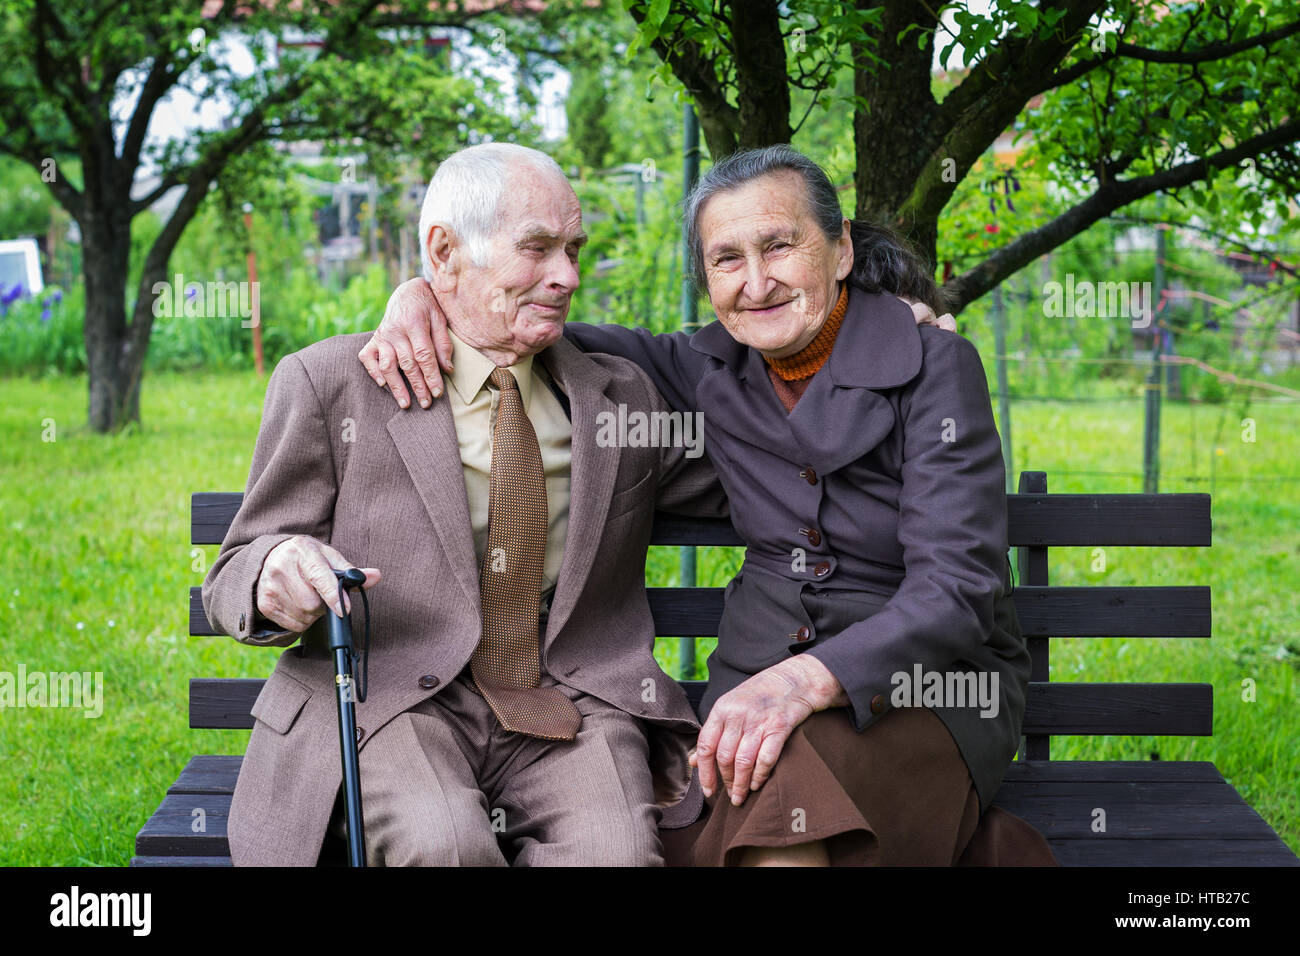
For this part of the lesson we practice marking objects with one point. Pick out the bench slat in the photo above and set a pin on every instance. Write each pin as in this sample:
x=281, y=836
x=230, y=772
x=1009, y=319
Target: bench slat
x=1055, y=708
x=1138, y=612
x=170, y=831
x=216, y=773
x=1177, y=853
x=1169, y=520
x=209, y=773
x=1172, y=710
x=186, y=861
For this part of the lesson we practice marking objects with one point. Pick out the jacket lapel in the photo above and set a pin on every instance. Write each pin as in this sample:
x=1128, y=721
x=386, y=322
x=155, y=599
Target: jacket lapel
x=743, y=404
x=426, y=440
x=593, y=472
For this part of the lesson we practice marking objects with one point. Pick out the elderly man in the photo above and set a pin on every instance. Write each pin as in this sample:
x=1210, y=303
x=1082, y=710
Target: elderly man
x=515, y=712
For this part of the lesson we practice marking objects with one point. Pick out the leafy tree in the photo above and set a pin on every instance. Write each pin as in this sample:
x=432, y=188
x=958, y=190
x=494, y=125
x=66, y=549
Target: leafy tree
x=1124, y=99
x=68, y=67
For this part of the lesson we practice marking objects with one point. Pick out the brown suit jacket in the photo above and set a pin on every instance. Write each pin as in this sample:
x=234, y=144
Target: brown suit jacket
x=336, y=460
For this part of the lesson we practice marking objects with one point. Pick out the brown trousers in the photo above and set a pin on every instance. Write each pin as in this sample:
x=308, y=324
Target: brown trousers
x=444, y=785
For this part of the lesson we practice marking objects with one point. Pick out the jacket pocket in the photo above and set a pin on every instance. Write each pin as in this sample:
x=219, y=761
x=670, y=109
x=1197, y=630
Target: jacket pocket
x=639, y=494
x=281, y=700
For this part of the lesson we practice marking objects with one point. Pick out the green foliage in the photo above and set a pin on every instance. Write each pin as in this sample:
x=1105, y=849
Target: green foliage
x=587, y=111
x=25, y=204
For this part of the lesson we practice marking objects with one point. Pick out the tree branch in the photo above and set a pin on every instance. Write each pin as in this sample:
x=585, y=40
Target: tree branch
x=969, y=286
x=1215, y=51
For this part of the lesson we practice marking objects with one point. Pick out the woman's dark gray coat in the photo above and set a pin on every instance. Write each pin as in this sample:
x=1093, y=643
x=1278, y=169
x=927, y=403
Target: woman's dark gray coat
x=878, y=503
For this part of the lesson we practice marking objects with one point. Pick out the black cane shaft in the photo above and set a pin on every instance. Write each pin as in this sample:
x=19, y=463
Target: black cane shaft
x=341, y=642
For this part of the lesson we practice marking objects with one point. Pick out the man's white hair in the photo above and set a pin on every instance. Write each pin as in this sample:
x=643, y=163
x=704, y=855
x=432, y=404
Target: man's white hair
x=465, y=195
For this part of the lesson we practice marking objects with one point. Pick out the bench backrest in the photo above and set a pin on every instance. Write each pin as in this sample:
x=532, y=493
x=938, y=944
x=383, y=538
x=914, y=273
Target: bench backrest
x=1036, y=521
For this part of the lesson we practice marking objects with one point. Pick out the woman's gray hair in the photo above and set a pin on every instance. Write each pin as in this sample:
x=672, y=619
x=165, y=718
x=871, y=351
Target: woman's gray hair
x=465, y=195
x=883, y=262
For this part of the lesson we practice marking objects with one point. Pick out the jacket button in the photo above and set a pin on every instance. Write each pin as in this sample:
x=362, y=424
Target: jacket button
x=428, y=682
x=241, y=622
x=813, y=535
x=878, y=704
x=361, y=732
x=802, y=634
x=822, y=570
x=809, y=476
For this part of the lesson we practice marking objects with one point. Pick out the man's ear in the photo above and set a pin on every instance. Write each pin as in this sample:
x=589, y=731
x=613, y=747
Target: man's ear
x=445, y=253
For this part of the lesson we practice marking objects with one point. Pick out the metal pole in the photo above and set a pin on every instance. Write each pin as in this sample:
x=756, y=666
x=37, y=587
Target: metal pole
x=259, y=361
x=690, y=323
x=1151, y=429
x=1004, y=398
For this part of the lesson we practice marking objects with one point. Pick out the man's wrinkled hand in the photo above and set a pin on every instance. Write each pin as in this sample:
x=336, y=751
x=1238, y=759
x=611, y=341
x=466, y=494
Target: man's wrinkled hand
x=925, y=316
x=297, y=583
x=412, y=338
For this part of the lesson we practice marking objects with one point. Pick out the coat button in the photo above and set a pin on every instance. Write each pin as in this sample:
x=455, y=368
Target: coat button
x=428, y=682
x=813, y=535
x=822, y=570
x=241, y=622
x=361, y=732
x=802, y=634
x=809, y=476
x=878, y=704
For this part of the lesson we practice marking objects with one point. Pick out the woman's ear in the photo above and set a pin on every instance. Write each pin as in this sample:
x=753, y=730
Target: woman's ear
x=844, y=248
x=444, y=254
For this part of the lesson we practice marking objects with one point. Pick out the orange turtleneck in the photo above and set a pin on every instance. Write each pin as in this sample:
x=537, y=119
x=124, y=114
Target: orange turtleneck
x=792, y=375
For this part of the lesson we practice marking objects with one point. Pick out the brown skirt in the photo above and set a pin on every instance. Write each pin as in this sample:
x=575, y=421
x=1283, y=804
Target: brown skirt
x=897, y=794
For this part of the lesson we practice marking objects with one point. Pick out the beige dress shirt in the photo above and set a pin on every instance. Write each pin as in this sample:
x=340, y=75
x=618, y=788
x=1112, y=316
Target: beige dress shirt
x=474, y=408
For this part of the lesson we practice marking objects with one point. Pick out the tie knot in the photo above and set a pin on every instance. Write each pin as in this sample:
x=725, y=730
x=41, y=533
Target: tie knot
x=503, y=379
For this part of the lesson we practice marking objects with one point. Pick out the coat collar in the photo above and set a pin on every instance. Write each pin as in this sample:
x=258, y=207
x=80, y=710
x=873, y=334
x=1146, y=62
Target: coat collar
x=878, y=346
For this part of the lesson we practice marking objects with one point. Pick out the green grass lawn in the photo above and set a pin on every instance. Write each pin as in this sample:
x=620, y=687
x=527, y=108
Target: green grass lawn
x=98, y=530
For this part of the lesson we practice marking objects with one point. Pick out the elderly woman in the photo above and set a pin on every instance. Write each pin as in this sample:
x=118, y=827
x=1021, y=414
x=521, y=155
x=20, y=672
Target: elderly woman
x=868, y=685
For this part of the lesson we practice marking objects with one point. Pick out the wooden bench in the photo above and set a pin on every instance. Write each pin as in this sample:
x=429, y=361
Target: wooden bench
x=1157, y=813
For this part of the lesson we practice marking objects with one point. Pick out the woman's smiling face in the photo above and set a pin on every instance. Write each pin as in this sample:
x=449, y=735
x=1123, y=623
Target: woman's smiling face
x=771, y=271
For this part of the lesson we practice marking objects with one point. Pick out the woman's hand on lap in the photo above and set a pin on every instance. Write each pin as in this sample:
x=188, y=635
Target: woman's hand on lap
x=749, y=725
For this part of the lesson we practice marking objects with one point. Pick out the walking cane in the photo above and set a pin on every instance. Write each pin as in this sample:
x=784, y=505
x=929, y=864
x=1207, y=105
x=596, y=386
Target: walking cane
x=340, y=642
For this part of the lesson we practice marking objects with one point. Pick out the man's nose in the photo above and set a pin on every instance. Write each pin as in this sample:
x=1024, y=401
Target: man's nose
x=564, y=274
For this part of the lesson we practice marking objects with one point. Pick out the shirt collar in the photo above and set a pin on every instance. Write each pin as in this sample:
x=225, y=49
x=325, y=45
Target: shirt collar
x=471, y=368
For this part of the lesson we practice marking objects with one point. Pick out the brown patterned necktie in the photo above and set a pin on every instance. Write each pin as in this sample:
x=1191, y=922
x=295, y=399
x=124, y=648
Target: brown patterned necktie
x=506, y=665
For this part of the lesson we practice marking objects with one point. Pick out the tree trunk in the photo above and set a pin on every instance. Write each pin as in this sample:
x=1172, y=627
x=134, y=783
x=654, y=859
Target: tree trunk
x=114, y=367
x=763, y=86
x=893, y=132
